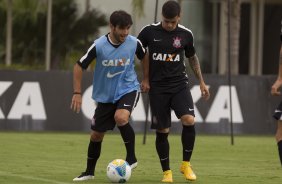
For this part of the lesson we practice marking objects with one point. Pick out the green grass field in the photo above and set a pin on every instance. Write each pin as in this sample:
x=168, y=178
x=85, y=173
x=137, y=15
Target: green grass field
x=39, y=158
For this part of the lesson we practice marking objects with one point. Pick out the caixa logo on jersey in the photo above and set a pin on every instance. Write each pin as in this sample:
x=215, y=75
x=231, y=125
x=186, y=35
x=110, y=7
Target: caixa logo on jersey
x=116, y=62
x=220, y=107
x=166, y=57
x=28, y=102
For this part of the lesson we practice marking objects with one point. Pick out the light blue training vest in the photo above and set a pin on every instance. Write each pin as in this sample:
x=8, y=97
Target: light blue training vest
x=114, y=74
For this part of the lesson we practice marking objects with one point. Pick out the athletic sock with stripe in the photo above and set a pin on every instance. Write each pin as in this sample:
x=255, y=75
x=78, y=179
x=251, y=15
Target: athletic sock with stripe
x=94, y=151
x=128, y=136
x=162, y=146
x=188, y=141
x=280, y=150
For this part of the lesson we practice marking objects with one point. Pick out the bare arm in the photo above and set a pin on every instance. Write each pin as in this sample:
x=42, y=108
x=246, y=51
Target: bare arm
x=195, y=66
x=76, y=98
x=280, y=64
x=278, y=83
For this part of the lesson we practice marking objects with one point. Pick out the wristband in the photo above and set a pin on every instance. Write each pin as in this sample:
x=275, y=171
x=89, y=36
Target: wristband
x=77, y=93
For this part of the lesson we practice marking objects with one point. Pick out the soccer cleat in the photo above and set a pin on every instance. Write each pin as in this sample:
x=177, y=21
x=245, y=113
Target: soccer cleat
x=186, y=170
x=167, y=177
x=83, y=177
x=134, y=165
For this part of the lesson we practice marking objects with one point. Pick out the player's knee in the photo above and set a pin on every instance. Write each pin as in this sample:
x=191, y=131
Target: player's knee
x=164, y=131
x=97, y=136
x=278, y=134
x=278, y=137
x=121, y=119
x=188, y=120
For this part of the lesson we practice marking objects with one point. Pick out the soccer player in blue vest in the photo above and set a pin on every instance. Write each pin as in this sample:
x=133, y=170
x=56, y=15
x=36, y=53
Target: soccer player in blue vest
x=278, y=112
x=115, y=88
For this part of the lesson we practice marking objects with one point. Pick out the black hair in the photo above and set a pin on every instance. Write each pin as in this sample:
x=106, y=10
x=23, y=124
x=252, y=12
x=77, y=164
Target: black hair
x=121, y=18
x=171, y=9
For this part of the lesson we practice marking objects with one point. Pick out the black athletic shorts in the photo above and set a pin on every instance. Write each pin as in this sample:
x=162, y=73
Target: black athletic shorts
x=278, y=112
x=162, y=104
x=103, y=118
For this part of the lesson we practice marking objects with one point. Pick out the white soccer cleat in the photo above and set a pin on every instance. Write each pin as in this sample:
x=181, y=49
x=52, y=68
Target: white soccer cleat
x=83, y=177
x=134, y=165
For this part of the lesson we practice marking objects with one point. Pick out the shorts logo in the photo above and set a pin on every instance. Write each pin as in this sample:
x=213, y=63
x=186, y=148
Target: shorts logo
x=177, y=42
x=126, y=105
x=191, y=109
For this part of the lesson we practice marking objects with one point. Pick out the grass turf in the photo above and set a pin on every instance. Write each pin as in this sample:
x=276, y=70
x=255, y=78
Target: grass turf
x=32, y=158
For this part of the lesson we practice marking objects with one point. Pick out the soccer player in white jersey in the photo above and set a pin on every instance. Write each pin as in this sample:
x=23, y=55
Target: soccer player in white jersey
x=115, y=88
x=168, y=44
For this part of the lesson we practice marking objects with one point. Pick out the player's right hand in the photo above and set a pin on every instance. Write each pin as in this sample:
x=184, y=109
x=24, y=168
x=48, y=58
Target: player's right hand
x=275, y=87
x=76, y=103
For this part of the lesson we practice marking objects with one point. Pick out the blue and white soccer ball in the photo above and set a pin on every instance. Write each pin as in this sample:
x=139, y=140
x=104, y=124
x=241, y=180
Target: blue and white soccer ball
x=118, y=171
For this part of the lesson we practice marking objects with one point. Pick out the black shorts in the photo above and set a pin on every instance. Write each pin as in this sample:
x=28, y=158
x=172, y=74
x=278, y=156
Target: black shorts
x=278, y=112
x=162, y=104
x=103, y=118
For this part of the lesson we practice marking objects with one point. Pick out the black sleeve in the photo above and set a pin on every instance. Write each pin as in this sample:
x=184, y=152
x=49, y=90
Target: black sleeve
x=88, y=57
x=189, y=48
x=140, y=50
x=143, y=36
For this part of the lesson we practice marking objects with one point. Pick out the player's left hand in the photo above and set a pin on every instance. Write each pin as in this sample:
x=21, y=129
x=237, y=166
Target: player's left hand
x=205, y=91
x=145, y=86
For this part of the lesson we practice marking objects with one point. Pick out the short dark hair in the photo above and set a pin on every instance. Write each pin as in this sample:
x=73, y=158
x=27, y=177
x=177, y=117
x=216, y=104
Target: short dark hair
x=171, y=9
x=121, y=18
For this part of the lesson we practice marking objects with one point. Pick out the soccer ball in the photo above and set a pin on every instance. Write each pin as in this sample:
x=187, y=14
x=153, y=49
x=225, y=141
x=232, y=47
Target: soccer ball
x=118, y=171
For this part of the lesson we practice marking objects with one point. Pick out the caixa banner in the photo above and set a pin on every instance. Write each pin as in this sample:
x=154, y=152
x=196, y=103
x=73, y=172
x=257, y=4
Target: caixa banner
x=40, y=101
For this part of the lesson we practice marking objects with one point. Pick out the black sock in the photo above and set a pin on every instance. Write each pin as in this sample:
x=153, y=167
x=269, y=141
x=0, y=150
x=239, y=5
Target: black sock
x=128, y=136
x=280, y=150
x=162, y=147
x=188, y=140
x=94, y=151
